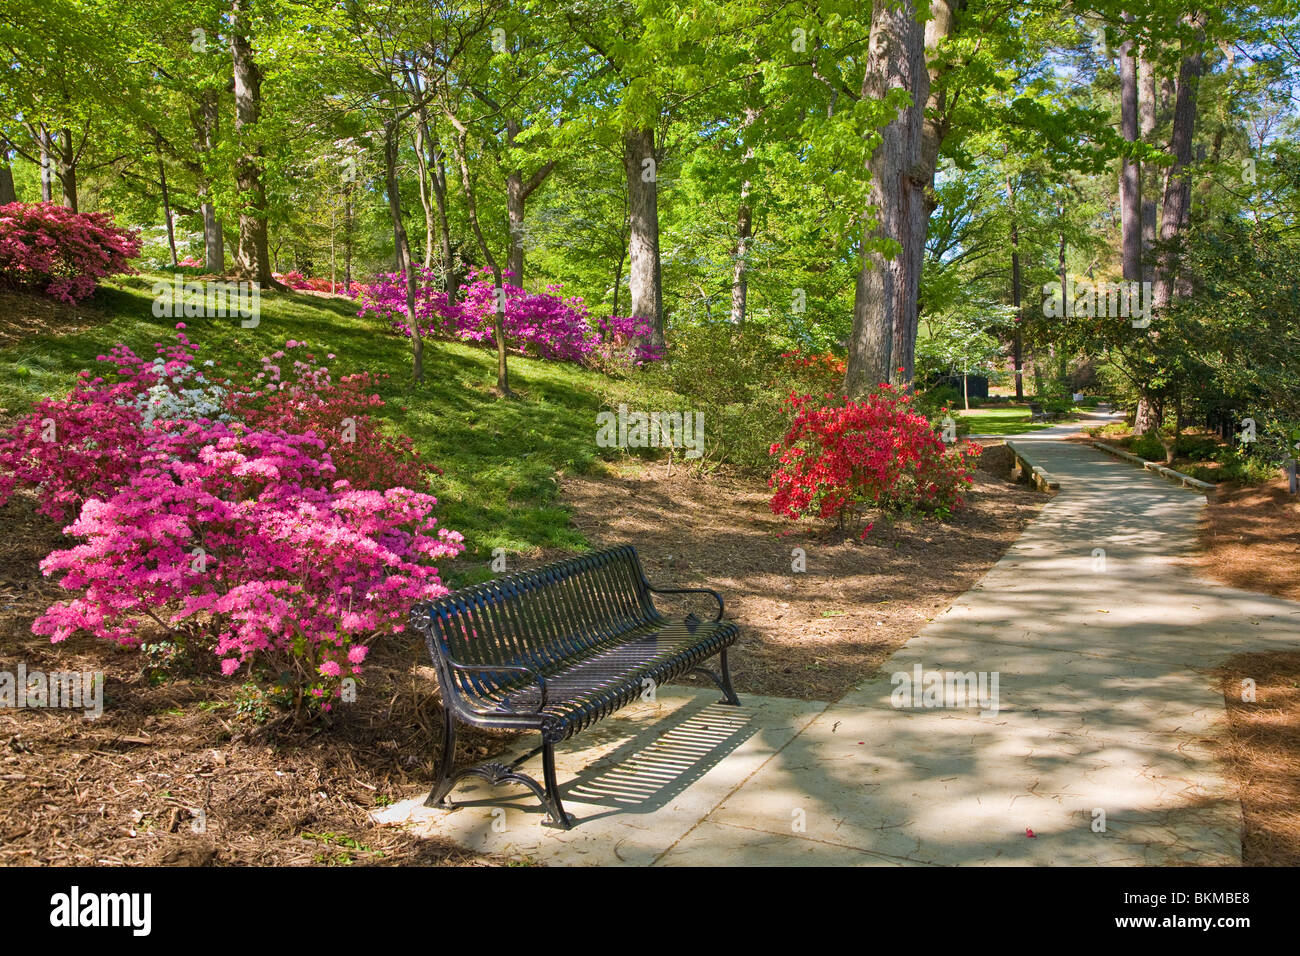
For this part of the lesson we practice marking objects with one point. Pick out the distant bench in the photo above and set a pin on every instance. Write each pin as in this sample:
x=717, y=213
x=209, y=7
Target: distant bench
x=556, y=649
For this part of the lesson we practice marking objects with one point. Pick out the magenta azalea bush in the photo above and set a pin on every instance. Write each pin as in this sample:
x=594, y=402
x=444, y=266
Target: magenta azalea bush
x=212, y=507
x=62, y=253
x=546, y=324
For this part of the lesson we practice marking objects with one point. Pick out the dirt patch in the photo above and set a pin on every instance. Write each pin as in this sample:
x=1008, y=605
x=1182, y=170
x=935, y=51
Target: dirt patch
x=170, y=775
x=1262, y=752
x=816, y=634
x=1250, y=539
x=27, y=315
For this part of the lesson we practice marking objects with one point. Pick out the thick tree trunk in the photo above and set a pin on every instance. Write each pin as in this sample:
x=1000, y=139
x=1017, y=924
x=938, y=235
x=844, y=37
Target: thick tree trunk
x=68, y=170
x=1130, y=175
x=644, y=268
x=1176, y=203
x=252, y=258
x=1146, y=130
x=884, y=302
x=402, y=245
x=7, y=192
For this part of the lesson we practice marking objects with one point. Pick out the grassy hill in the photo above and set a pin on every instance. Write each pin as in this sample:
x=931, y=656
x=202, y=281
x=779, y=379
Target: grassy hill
x=501, y=458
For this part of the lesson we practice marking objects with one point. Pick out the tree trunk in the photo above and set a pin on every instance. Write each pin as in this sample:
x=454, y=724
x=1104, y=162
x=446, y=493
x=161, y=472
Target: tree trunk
x=644, y=269
x=68, y=171
x=252, y=258
x=47, y=165
x=7, y=192
x=214, y=247
x=421, y=139
x=744, y=231
x=167, y=209
x=392, y=133
x=739, y=279
x=884, y=301
x=499, y=322
x=1130, y=176
x=347, y=238
x=618, y=279
x=1017, y=341
x=437, y=164
x=1176, y=202
x=1146, y=130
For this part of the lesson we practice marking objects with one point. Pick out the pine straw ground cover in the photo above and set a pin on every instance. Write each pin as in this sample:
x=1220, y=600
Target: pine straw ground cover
x=1250, y=539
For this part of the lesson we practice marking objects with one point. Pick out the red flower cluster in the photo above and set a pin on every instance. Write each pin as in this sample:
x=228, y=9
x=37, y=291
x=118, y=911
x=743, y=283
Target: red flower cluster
x=842, y=457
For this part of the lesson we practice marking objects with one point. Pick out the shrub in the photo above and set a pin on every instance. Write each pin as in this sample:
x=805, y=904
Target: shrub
x=840, y=458
x=241, y=511
x=248, y=533
x=63, y=253
x=304, y=399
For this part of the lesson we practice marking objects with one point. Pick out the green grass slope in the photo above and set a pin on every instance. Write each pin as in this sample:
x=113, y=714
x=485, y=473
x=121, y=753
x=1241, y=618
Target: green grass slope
x=501, y=458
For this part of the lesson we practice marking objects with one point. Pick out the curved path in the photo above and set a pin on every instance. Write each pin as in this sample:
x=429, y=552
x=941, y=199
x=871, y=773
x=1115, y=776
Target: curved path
x=1098, y=742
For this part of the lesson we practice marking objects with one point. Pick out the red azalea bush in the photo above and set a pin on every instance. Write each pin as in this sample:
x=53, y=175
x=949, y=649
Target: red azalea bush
x=63, y=253
x=841, y=458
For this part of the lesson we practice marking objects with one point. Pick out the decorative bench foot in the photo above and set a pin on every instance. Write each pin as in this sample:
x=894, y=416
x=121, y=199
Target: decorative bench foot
x=496, y=773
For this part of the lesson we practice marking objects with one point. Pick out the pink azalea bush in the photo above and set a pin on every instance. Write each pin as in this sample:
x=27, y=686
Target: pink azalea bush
x=217, y=508
x=248, y=533
x=545, y=324
x=63, y=253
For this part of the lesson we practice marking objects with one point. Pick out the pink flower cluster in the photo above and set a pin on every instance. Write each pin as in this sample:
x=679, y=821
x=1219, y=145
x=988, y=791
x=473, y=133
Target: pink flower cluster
x=63, y=253
x=248, y=531
x=544, y=323
x=238, y=526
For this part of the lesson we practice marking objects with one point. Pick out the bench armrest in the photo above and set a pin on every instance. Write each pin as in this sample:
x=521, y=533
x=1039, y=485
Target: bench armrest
x=497, y=668
x=713, y=594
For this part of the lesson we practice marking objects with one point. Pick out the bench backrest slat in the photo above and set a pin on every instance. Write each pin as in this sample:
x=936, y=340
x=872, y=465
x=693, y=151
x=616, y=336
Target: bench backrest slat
x=538, y=618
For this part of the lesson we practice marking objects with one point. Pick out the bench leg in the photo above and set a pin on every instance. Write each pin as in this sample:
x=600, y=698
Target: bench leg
x=445, y=779
x=556, y=817
x=723, y=681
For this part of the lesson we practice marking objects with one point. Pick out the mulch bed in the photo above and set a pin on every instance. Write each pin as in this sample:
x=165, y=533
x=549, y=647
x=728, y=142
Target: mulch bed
x=1262, y=752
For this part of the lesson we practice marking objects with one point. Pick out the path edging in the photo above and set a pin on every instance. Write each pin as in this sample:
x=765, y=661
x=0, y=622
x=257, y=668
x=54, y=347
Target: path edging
x=1187, y=481
x=1042, y=478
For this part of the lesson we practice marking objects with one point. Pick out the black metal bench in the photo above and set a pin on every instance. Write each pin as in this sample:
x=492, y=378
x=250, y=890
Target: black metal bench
x=556, y=649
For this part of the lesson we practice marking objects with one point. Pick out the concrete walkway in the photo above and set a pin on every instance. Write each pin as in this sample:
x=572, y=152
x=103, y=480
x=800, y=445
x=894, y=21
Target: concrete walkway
x=1103, y=714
